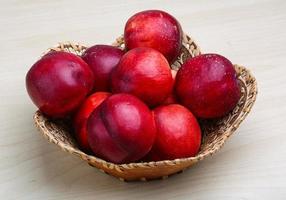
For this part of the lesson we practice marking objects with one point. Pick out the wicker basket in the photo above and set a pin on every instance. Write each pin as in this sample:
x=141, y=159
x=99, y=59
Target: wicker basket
x=215, y=132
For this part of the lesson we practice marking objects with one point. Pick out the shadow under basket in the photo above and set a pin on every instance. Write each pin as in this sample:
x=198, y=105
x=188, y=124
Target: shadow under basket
x=215, y=132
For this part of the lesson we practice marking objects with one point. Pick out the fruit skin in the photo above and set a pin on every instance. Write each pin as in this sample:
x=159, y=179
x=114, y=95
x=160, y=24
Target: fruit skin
x=178, y=133
x=102, y=59
x=171, y=99
x=155, y=29
x=145, y=73
x=83, y=113
x=208, y=86
x=121, y=129
x=58, y=83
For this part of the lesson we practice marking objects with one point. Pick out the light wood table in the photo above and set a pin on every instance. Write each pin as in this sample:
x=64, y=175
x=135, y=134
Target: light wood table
x=252, y=165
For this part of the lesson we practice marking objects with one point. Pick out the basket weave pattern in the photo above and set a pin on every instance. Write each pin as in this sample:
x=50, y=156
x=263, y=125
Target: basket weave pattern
x=215, y=132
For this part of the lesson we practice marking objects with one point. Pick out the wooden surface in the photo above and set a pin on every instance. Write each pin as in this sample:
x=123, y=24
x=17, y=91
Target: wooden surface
x=252, y=165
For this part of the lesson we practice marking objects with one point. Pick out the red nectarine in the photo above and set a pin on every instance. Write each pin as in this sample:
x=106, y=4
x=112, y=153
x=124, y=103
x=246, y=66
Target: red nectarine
x=102, y=59
x=83, y=113
x=178, y=133
x=155, y=29
x=145, y=73
x=58, y=83
x=121, y=129
x=208, y=86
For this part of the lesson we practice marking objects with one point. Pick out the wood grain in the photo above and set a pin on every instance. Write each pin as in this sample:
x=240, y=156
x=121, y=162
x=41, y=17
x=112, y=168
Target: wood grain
x=249, y=32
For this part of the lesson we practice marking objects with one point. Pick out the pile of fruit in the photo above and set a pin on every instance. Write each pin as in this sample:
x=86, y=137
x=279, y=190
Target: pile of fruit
x=128, y=105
